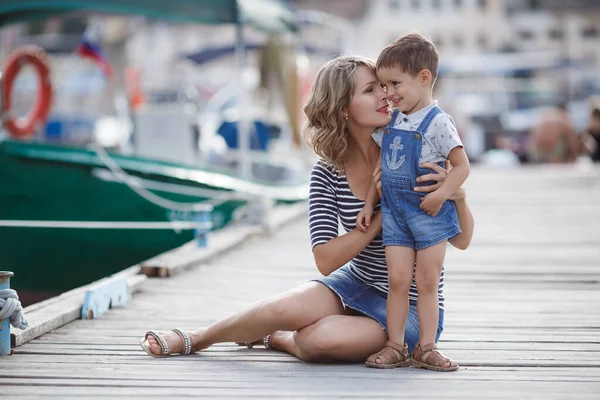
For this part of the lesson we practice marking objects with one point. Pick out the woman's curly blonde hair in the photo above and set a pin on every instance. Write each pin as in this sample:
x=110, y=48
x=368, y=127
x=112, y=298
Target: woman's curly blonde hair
x=330, y=94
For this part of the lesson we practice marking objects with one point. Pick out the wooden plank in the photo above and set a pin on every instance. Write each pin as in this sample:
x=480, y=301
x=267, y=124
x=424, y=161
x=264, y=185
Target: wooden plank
x=61, y=310
x=204, y=373
x=278, y=389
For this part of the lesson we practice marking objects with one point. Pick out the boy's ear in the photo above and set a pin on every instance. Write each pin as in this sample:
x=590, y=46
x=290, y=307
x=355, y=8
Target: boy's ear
x=425, y=77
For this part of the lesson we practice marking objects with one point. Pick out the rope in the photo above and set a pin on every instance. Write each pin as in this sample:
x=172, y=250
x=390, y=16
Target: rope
x=10, y=307
x=135, y=185
x=175, y=225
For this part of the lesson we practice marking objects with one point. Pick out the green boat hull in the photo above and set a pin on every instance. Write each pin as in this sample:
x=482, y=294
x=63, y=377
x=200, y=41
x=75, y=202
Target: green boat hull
x=50, y=183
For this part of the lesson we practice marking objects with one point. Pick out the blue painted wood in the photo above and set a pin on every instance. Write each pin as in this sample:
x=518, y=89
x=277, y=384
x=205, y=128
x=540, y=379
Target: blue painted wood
x=203, y=218
x=5, y=323
x=110, y=294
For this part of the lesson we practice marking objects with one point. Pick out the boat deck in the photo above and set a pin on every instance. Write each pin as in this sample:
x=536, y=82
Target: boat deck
x=522, y=313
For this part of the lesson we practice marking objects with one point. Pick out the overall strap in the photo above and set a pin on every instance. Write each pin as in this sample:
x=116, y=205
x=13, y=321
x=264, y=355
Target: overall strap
x=394, y=117
x=428, y=119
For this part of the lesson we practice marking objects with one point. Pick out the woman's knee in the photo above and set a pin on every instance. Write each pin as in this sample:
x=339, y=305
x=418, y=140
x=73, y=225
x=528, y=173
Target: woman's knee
x=319, y=341
x=325, y=342
x=315, y=346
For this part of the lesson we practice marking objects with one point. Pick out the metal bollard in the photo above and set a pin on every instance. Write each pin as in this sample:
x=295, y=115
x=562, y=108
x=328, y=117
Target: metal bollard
x=203, y=218
x=5, y=323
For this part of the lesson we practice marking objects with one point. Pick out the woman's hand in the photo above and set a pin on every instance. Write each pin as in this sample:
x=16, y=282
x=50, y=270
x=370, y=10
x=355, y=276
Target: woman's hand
x=439, y=176
x=459, y=195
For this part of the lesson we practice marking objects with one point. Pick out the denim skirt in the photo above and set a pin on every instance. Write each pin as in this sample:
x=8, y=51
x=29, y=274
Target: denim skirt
x=372, y=303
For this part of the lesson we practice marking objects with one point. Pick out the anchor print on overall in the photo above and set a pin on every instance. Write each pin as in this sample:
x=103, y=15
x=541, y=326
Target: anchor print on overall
x=393, y=161
x=401, y=149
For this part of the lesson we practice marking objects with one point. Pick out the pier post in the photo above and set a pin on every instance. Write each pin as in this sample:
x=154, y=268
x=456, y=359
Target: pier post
x=5, y=323
x=203, y=219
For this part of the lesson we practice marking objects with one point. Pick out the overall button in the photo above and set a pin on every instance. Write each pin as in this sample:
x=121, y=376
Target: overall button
x=417, y=136
x=387, y=131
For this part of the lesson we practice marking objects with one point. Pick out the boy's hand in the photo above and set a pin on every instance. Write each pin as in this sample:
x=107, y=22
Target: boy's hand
x=377, y=179
x=432, y=203
x=363, y=220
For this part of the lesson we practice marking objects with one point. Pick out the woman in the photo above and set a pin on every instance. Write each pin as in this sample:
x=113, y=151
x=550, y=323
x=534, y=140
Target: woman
x=591, y=137
x=340, y=317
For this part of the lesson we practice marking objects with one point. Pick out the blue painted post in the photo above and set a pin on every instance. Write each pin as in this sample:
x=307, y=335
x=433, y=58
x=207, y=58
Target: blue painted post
x=5, y=323
x=204, y=225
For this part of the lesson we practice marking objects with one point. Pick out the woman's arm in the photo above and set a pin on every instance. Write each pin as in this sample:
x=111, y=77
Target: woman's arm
x=331, y=251
x=465, y=220
x=338, y=251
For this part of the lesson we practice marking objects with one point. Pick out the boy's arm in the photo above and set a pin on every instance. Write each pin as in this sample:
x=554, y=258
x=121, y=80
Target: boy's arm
x=448, y=143
x=432, y=203
x=458, y=174
x=363, y=219
x=372, y=196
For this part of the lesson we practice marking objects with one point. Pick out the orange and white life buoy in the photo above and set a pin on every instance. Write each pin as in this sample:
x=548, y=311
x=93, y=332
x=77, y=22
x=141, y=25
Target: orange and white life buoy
x=28, y=125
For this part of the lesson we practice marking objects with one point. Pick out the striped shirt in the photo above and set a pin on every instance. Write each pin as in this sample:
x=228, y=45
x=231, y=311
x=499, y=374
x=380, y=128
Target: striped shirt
x=332, y=202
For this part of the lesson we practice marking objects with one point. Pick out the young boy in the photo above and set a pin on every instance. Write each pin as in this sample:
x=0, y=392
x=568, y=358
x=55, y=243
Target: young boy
x=415, y=228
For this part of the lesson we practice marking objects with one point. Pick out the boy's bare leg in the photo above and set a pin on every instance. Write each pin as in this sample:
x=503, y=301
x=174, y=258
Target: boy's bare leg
x=401, y=262
x=427, y=277
x=290, y=311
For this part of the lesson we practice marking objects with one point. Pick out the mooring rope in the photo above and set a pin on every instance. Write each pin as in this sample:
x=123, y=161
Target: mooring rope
x=10, y=307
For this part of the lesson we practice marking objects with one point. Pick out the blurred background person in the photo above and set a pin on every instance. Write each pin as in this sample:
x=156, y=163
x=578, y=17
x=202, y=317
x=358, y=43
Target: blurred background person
x=591, y=137
x=553, y=138
x=503, y=154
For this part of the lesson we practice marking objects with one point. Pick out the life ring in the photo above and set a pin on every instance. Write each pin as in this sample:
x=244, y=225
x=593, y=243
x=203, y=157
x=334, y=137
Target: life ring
x=27, y=126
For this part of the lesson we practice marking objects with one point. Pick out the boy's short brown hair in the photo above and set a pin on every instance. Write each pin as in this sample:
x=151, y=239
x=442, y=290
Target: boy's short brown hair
x=412, y=53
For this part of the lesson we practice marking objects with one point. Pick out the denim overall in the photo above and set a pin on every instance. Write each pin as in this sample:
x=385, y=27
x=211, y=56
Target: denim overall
x=404, y=223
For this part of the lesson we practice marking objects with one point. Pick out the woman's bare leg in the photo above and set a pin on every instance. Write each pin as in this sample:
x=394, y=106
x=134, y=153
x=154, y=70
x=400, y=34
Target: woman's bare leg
x=290, y=311
x=333, y=338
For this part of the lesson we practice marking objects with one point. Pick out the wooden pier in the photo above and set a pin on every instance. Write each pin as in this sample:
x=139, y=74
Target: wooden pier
x=522, y=313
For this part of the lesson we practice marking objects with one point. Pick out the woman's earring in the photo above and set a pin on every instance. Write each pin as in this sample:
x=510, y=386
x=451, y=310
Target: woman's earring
x=346, y=118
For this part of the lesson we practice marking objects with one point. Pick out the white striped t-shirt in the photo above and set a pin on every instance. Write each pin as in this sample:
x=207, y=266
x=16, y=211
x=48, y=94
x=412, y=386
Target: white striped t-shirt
x=331, y=202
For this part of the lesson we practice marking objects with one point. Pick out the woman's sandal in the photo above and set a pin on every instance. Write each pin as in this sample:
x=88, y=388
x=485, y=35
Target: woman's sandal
x=266, y=341
x=429, y=357
x=164, y=346
x=393, y=355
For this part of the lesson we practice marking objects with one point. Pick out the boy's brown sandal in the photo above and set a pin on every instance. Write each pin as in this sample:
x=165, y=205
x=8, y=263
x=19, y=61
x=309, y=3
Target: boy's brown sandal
x=429, y=357
x=393, y=355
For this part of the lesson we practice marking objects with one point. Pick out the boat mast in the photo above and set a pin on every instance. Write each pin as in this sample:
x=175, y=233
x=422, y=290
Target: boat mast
x=244, y=116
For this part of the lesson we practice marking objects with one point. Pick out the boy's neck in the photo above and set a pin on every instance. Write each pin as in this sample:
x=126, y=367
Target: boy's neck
x=424, y=102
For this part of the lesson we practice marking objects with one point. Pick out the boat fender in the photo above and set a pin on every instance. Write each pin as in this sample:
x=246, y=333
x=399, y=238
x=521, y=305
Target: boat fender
x=27, y=126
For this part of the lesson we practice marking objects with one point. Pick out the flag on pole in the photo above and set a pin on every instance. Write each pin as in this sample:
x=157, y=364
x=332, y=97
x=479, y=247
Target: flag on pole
x=89, y=47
